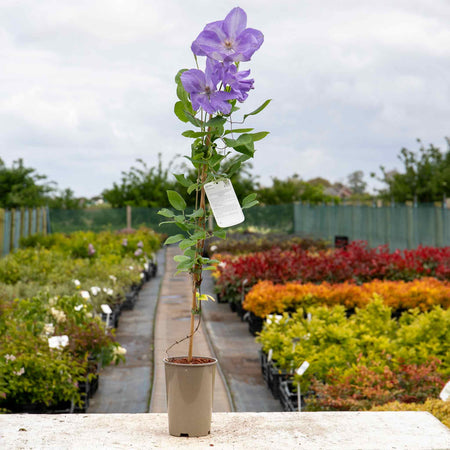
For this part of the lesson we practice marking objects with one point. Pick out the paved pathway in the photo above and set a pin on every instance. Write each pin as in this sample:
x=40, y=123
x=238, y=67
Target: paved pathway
x=133, y=387
x=125, y=388
x=238, y=354
x=172, y=324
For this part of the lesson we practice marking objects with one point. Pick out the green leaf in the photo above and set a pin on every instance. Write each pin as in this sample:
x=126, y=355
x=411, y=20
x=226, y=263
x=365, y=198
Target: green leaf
x=187, y=243
x=197, y=213
x=258, y=110
x=166, y=212
x=174, y=239
x=216, y=159
x=221, y=234
x=181, y=258
x=216, y=122
x=190, y=253
x=199, y=235
x=239, y=130
x=192, y=188
x=182, y=226
x=249, y=205
x=250, y=198
x=213, y=261
x=194, y=134
x=180, y=112
x=184, y=266
x=186, y=182
x=191, y=118
x=178, y=76
x=243, y=144
x=176, y=200
x=260, y=135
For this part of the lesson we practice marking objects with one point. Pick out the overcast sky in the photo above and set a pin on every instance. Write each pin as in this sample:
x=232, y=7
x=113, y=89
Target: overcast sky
x=86, y=86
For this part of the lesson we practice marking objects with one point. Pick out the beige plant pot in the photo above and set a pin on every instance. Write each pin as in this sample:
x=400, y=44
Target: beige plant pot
x=190, y=392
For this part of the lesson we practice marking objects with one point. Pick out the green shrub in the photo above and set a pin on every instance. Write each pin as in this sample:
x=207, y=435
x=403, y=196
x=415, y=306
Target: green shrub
x=370, y=337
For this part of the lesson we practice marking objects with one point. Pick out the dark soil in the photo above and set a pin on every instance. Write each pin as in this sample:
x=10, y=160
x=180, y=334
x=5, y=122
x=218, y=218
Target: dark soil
x=195, y=360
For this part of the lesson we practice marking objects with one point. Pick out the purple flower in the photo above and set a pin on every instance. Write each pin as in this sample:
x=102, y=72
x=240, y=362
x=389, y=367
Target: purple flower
x=237, y=82
x=140, y=244
x=125, y=242
x=138, y=252
x=228, y=75
x=91, y=250
x=202, y=87
x=228, y=40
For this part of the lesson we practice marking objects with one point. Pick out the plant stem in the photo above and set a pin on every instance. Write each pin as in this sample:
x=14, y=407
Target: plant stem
x=197, y=272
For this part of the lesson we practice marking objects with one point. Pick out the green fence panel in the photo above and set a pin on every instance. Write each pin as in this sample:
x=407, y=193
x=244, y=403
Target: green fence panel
x=398, y=226
x=276, y=218
x=16, y=228
x=33, y=221
x=7, y=232
x=25, y=223
x=67, y=221
x=150, y=218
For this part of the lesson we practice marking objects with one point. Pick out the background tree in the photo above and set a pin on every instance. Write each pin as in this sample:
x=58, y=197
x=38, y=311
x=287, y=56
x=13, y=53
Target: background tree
x=146, y=186
x=142, y=186
x=21, y=186
x=426, y=176
x=356, y=182
x=320, y=181
x=291, y=190
x=64, y=199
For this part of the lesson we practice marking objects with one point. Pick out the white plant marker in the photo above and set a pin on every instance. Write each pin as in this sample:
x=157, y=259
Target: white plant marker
x=108, y=311
x=224, y=203
x=300, y=371
x=445, y=393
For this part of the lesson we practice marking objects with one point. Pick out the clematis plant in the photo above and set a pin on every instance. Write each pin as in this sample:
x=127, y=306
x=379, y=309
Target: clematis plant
x=207, y=99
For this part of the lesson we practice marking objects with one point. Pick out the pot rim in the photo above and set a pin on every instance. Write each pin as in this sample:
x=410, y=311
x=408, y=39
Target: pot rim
x=167, y=360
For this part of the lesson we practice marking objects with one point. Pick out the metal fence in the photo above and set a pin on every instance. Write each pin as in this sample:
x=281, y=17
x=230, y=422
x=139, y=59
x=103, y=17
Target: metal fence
x=399, y=226
x=18, y=223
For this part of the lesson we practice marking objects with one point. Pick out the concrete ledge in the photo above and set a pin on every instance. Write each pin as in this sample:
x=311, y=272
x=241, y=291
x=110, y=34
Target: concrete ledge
x=321, y=430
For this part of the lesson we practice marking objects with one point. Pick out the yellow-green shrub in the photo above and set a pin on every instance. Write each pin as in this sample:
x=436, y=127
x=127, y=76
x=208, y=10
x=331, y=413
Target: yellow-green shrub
x=437, y=407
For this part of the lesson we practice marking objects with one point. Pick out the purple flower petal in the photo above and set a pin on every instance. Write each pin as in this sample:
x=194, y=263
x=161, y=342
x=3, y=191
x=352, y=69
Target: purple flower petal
x=247, y=43
x=214, y=70
x=193, y=80
x=203, y=89
x=228, y=40
x=219, y=101
x=235, y=23
x=207, y=43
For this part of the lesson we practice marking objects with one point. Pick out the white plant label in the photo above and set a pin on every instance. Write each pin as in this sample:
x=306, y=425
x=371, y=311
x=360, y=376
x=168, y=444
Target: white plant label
x=445, y=393
x=106, y=309
x=269, y=355
x=224, y=203
x=302, y=369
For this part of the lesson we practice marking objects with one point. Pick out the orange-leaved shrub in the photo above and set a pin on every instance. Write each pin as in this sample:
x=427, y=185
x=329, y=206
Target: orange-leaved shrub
x=268, y=298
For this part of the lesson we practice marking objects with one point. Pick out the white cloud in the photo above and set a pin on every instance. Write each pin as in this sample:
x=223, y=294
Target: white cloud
x=87, y=87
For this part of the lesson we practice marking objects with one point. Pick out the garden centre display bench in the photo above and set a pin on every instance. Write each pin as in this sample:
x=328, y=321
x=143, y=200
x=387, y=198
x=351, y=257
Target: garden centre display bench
x=306, y=430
